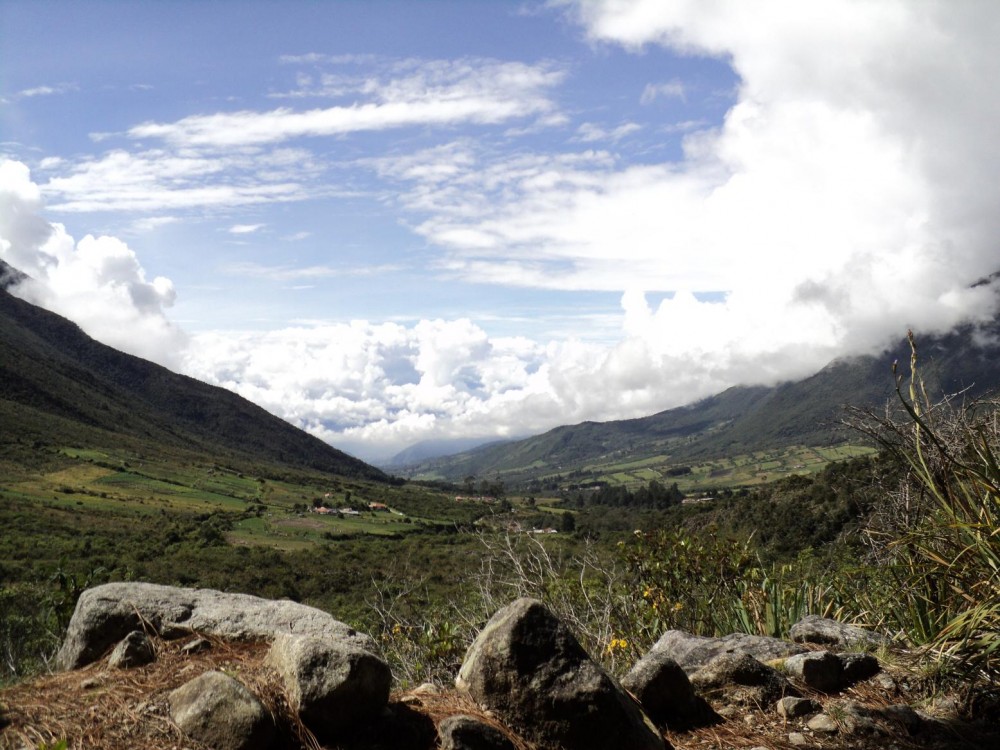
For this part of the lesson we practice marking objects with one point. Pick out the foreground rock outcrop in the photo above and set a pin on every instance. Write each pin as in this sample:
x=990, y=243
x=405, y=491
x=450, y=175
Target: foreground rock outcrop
x=218, y=710
x=106, y=614
x=240, y=673
x=530, y=670
x=332, y=685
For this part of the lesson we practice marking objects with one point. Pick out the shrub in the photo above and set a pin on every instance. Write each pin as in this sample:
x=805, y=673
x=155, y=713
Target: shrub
x=939, y=533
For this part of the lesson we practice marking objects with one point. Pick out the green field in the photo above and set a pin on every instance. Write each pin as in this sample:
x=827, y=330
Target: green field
x=745, y=470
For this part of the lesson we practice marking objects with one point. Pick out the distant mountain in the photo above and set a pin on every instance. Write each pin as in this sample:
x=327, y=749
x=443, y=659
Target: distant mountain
x=740, y=420
x=60, y=387
x=428, y=449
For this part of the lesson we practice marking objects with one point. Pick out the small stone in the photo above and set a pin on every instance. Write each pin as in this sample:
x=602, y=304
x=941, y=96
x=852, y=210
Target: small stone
x=790, y=707
x=823, y=723
x=463, y=732
x=905, y=717
x=729, y=712
x=885, y=682
x=133, y=651
x=196, y=646
x=798, y=739
x=426, y=688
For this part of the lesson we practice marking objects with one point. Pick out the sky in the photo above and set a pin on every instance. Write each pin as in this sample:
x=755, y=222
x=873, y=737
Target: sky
x=390, y=222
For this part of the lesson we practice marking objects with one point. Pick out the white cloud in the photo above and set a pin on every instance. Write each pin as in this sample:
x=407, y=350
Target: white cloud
x=846, y=196
x=245, y=228
x=673, y=89
x=419, y=93
x=289, y=273
x=151, y=223
x=159, y=180
x=98, y=283
x=59, y=88
x=588, y=132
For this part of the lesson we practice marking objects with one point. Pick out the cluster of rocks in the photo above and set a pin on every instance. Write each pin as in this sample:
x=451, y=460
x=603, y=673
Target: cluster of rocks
x=526, y=668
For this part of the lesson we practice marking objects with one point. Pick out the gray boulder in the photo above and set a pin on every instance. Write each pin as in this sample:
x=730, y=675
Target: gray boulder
x=528, y=668
x=133, y=650
x=693, y=652
x=333, y=685
x=666, y=693
x=826, y=632
x=106, y=614
x=819, y=670
x=739, y=679
x=462, y=732
x=858, y=666
x=219, y=711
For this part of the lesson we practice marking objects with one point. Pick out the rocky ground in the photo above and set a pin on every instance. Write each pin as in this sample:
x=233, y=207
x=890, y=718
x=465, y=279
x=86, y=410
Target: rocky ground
x=887, y=699
x=103, y=707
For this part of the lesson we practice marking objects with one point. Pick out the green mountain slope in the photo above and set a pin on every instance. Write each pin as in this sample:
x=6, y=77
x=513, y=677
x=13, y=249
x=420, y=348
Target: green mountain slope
x=60, y=387
x=740, y=420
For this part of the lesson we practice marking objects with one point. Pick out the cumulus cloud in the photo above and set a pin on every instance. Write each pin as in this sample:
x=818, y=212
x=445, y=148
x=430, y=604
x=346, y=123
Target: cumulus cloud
x=97, y=282
x=846, y=196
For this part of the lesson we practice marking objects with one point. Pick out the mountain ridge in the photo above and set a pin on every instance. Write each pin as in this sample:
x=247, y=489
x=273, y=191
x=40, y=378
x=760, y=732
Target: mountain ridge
x=57, y=381
x=741, y=419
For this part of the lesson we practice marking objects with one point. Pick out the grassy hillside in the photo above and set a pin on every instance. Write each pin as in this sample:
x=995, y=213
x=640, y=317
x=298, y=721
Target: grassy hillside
x=60, y=387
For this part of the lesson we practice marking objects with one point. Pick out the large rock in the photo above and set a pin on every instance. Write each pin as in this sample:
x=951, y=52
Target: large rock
x=529, y=669
x=858, y=666
x=219, y=711
x=819, y=670
x=333, y=685
x=106, y=614
x=693, y=652
x=666, y=694
x=829, y=672
x=740, y=679
x=826, y=632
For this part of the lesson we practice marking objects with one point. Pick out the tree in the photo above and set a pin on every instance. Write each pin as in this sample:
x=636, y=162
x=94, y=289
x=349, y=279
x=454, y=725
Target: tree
x=567, y=523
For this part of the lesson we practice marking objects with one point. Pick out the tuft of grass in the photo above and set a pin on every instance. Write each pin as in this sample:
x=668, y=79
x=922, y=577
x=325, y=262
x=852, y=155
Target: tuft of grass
x=945, y=552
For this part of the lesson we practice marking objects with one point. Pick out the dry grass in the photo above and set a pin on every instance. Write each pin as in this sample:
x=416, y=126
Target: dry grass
x=101, y=707
x=113, y=709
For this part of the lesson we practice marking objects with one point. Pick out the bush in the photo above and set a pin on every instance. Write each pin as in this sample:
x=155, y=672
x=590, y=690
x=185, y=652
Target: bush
x=939, y=533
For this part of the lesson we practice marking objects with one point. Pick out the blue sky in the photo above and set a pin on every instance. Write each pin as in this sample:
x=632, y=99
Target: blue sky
x=396, y=221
